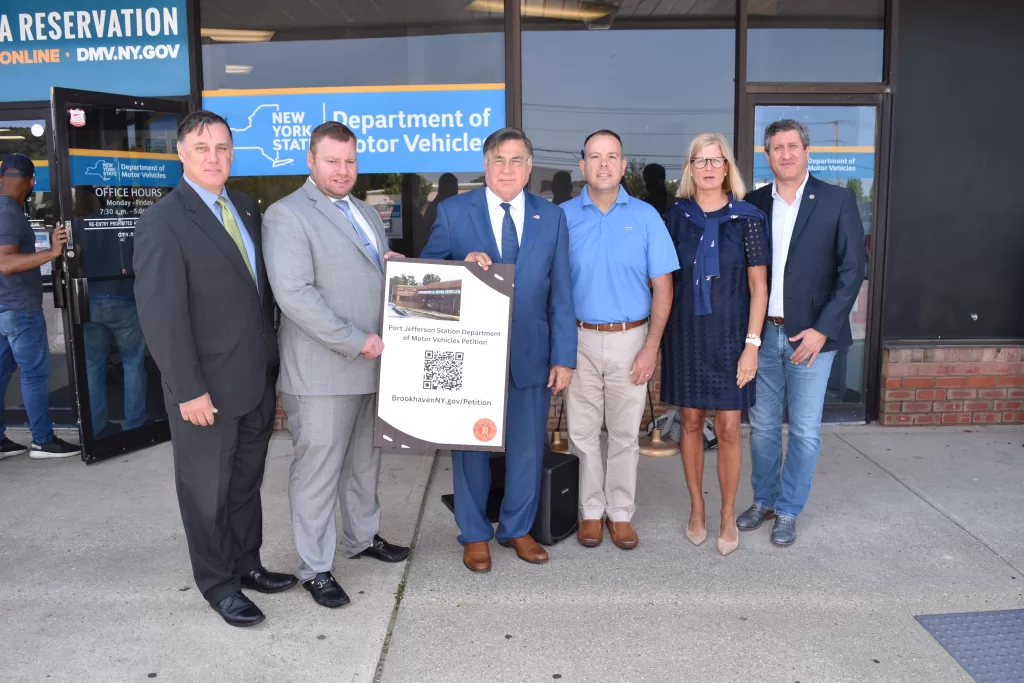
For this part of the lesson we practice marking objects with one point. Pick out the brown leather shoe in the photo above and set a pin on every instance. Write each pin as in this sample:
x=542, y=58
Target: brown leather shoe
x=477, y=556
x=623, y=534
x=590, y=533
x=527, y=549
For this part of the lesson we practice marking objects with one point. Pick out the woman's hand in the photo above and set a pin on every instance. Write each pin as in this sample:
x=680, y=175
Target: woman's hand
x=747, y=367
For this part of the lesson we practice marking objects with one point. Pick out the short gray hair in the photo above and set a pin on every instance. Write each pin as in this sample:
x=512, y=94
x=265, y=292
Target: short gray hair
x=500, y=137
x=773, y=129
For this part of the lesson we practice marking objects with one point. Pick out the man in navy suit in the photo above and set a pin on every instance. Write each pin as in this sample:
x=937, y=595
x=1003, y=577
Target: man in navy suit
x=817, y=242
x=502, y=223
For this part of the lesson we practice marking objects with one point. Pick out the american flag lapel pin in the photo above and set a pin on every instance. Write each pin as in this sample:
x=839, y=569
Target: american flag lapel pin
x=248, y=214
x=537, y=216
x=812, y=196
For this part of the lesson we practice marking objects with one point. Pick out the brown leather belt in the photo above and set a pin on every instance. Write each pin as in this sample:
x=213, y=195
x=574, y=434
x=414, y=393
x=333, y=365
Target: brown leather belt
x=610, y=327
x=776, y=321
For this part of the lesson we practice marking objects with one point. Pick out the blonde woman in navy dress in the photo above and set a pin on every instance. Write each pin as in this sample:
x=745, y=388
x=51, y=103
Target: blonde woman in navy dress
x=709, y=358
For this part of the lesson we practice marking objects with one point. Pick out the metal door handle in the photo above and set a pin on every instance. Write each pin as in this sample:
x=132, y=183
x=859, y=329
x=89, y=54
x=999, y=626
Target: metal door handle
x=79, y=290
x=58, y=287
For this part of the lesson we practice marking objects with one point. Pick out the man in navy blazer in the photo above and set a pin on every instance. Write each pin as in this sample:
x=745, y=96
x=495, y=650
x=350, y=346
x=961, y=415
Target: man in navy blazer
x=502, y=223
x=817, y=242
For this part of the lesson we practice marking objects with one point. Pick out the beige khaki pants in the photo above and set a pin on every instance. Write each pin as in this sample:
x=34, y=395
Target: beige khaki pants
x=602, y=392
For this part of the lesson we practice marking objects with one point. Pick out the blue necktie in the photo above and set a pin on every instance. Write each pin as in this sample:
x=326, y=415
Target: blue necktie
x=509, y=238
x=367, y=242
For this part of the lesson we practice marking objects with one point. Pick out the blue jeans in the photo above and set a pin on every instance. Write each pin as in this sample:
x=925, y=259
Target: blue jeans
x=23, y=344
x=115, y=320
x=784, y=487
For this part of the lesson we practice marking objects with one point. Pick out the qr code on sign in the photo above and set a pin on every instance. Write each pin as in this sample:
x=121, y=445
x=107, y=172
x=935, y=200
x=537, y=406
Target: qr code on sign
x=442, y=370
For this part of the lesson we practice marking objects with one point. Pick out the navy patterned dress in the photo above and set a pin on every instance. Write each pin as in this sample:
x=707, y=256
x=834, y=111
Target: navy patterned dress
x=700, y=354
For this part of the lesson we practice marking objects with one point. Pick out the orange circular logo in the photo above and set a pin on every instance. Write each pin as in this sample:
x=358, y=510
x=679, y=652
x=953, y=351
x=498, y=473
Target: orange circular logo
x=485, y=429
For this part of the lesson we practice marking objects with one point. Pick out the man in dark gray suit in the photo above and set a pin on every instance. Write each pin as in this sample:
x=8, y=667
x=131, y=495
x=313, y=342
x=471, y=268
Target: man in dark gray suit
x=205, y=309
x=325, y=253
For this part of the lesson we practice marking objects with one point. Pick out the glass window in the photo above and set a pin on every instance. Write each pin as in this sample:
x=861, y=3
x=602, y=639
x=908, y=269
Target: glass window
x=658, y=77
x=816, y=40
x=421, y=85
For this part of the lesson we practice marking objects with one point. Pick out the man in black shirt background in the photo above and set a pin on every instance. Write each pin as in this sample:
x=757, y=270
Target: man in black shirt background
x=23, y=342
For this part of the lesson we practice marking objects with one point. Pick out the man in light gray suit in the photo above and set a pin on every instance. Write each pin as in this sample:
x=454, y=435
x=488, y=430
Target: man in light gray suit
x=324, y=252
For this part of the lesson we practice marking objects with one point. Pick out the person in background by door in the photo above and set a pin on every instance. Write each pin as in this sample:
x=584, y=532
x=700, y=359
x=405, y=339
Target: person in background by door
x=561, y=187
x=817, y=243
x=112, y=318
x=619, y=251
x=23, y=341
x=655, y=192
x=721, y=295
x=206, y=312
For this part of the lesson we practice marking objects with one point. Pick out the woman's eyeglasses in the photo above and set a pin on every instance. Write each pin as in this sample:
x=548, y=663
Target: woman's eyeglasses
x=701, y=162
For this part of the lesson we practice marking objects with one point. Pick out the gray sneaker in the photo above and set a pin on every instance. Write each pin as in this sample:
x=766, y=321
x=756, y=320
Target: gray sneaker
x=754, y=517
x=784, y=532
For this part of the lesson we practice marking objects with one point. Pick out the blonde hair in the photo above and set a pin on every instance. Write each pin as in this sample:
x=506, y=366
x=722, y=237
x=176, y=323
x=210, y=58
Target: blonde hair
x=733, y=182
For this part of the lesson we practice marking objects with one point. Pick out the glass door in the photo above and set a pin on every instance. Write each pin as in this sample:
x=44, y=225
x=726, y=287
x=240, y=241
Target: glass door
x=115, y=156
x=26, y=131
x=844, y=150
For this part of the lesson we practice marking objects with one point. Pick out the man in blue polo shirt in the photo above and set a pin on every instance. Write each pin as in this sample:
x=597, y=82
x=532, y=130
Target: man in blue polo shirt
x=23, y=342
x=619, y=249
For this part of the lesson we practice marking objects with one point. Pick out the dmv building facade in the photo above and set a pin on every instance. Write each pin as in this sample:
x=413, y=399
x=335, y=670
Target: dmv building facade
x=902, y=97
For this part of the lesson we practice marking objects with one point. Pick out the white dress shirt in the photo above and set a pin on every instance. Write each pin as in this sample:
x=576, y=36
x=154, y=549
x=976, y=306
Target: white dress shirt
x=361, y=223
x=497, y=213
x=783, y=221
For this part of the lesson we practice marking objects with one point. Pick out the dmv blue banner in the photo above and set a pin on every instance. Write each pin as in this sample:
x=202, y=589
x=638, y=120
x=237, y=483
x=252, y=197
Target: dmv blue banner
x=415, y=129
x=119, y=46
x=122, y=169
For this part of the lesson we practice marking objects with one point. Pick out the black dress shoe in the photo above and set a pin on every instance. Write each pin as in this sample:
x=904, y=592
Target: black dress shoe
x=326, y=591
x=239, y=610
x=384, y=551
x=268, y=582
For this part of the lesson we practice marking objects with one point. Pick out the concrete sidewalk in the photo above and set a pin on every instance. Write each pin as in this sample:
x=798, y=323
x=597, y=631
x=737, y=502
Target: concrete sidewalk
x=899, y=524
x=96, y=584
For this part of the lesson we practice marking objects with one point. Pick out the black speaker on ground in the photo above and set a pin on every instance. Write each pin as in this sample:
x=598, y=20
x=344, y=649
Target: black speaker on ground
x=558, y=509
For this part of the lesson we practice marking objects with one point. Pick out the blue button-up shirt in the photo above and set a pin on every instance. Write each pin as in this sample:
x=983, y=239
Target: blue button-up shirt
x=210, y=199
x=614, y=255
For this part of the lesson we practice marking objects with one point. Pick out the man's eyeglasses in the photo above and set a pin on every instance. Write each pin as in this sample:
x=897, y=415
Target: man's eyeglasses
x=514, y=162
x=701, y=162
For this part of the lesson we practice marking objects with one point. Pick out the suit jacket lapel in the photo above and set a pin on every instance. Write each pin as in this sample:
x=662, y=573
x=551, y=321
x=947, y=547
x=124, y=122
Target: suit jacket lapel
x=481, y=217
x=807, y=204
x=765, y=202
x=531, y=226
x=204, y=218
x=325, y=206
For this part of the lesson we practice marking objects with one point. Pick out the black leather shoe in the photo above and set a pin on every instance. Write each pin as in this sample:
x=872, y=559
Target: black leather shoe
x=384, y=551
x=268, y=582
x=754, y=517
x=326, y=591
x=239, y=610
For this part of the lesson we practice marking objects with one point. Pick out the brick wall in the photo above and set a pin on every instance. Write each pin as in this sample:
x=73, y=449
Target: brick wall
x=280, y=421
x=952, y=385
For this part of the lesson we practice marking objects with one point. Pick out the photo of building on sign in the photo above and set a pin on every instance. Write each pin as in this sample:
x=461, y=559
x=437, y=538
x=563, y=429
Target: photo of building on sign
x=431, y=298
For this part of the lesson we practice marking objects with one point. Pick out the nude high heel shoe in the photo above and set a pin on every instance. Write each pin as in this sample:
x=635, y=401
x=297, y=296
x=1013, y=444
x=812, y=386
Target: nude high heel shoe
x=726, y=547
x=697, y=537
